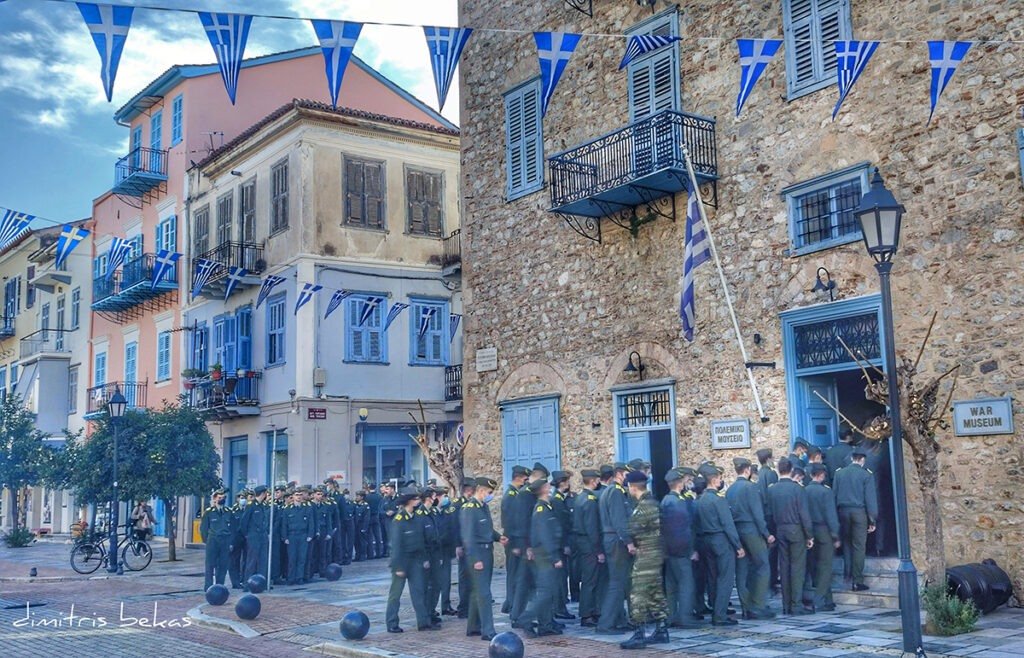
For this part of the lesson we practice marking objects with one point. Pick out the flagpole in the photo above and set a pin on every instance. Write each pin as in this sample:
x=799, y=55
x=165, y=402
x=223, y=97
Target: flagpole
x=721, y=277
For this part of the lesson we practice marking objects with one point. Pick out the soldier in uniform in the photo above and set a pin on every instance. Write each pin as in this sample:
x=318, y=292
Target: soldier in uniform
x=387, y=512
x=478, y=536
x=408, y=563
x=838, y=455
x=468, y=488
x=256, y=530
x=857, y=502
x=821, y=505
x=678, y=514
x=323, y=529
x=516, y=546
x=721, y=541
x=217, y=532
x=766, y=477
x=338, y=535
x=647, y=595
x=701, y=583
x=791, y=524
x=374, y=508
x=587, y=548
x=427, y=515
x=752, y=570
x=279, y=555
x=545, y=560
x=560, y=505
x=348, y=527
x=236, y=558
x=799, y=455
x=522, y=515
x=618, y=547
x=450, y=539
x=297, y=529
x=607, y=475
x=360, y=517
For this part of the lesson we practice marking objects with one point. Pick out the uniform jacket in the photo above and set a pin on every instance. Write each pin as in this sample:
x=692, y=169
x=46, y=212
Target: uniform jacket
x=376, y=504
x=716, y=517
x=256, y=519
x=560, y=505
x=645, y=528
x=747, y=508
x=586, y=522
x=217, y=523
x=428, y=519
x=821, y=505
x=854, y=486
x=787, y=505
x=545, y=534
x=677, y=517
x=508, y=505
x=615, y=510
x=477, y=530
x=407, y=544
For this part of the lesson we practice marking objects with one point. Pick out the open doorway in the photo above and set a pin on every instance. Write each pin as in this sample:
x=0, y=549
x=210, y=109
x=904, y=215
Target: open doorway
x=645, y=421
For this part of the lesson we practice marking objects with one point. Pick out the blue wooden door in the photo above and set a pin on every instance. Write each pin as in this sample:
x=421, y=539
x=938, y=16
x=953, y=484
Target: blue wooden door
x=529, y=433
x=820, y=423
x=636, y=445
x=160, y=512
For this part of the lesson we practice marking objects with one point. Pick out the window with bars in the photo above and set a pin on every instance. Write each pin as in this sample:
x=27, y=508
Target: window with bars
x=201, y=232
x=279, y=196
x=276, y=319
x=424, y=191
x=428, y=324
x=821, y=209
x=646, y=409
x=364, y=193
x=365, y=339
x=524, y=140
x=225, y=205
x=818, y=344
x=247, y=212
x=811, y=28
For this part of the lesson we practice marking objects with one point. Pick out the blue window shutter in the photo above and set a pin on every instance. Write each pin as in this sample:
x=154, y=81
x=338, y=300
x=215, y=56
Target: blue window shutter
x=524, y=141
x=158, y=242
x=163, y=356
x=156, y=130
x=176, y=115
x=654, y=79
x=1020, y=149
x=245, y=338
x=171, y=238
x=97, y=267
x=810, y=29
x=353, y=332
x=100, y=370
x=230, y=361
x=376, y=339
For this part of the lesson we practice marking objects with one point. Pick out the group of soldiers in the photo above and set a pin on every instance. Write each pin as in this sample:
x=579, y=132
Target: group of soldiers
x=312, y=528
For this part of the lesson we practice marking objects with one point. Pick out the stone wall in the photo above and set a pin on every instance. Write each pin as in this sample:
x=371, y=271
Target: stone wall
x=565, y=312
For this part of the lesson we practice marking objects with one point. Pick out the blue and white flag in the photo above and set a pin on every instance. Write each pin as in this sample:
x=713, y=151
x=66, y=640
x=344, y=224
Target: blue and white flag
x=642, y=44
x=695, y=252
x=69, y=238
x=852, y=57
x=453, y=325
x=306, y=294
x=228, y=34
x=12, y=224
x=945, y=57
x=336, y=299
x=754, y=57
x=204, y=270
x=554, y=50
x=396, y=310
x=268, y=286
x=109, y=27
x=337, y=39
x=425, y=315
x=235, y=276
x=162, y=265
x=445, y=45
x=119, y=250
x=369, y=306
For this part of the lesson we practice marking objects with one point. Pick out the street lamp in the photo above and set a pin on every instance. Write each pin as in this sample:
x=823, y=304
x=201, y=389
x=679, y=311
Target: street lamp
x=880, y=216
x=115, y=408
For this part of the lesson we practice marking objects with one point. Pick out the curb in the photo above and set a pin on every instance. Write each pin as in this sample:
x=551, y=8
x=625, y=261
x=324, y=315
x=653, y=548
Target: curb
x=199, y=619
x=349, y=650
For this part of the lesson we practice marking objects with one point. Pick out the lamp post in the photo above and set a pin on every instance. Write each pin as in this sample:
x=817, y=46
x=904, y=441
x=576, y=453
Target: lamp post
x=115, y=408
x=880, y=216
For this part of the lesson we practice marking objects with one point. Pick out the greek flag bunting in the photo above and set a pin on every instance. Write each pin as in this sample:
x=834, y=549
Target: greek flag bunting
x=453, y=325
x=12, y=224
x=396, y=310
x=369, y=306
x=425, y=315
x=695, y=252
x=227, y=34
x=69, y=238
x=163, y=265
x=235, y=276
x=945, y=56
x=642, y=44
x=337, y=39
x=553, y=50
x=109, y=27
x=852, y=57
x=119, y=250
x=336, y=299
x=445, y=45
x=306, y=294
x=754, y=57
x=268, y=286
x=204, y=270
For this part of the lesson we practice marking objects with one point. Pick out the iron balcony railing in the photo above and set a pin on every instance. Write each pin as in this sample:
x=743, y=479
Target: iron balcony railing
x=248, y=255
x=6, y=326
x=634, y=152
x=137, y=271
x=98, y=396
x=44, y=340
x=452, y=245
x=141, y=161
x=453, y=383
x=208, y=394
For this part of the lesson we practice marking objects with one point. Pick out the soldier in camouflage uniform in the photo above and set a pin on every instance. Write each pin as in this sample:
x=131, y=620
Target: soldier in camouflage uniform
x=647, y=595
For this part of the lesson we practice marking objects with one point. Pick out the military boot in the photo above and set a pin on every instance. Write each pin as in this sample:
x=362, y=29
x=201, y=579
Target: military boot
x=638, y=641
x=660, y=634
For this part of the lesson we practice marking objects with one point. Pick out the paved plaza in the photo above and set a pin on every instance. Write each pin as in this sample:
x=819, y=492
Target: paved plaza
x=162, y=611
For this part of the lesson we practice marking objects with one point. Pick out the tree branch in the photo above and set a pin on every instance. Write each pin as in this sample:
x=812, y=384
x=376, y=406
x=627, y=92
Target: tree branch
x=924, y=343
x=849, y=422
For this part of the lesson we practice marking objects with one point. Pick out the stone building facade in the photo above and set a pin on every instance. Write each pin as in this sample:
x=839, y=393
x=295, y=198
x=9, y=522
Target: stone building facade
x=564, y=313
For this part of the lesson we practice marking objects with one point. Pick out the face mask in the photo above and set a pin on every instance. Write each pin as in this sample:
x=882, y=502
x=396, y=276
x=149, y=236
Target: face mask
x=445, y=501
x=721, y=485
x=488, y=498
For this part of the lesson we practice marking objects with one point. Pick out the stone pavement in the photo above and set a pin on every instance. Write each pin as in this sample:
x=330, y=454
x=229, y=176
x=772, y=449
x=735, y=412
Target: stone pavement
x=148, y=613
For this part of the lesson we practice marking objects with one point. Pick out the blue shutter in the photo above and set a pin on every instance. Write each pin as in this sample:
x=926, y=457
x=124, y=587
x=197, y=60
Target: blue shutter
x=230, y=361
x=100, y=371
x=171, y=233
x=134, y=147
x=1020, y=149
x=654, y=79
x=524, y=141
x=376, y=340
x=245, y=338
x=97, y=267
x=163, y=356
x=811, y=28
x=158, y=242
x=353, y=332
x=176, y=115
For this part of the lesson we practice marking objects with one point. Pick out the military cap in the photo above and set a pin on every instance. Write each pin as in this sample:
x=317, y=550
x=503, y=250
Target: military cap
x=800, y=443
x=242, y=493
x=537, y=466
x=813, y=450
x=289, y=492
x=753, y=469
x=636, y=477
x=427, y=492
x=606, y=470
x=320, y=489
x=619, y=466
x=360, y=494
x=797, y=470
x=219, y=492
x=671, y=475
x=858, y=453
x=520, y=470
x=486, y=482
x=536, y=486
x=764, y=454
x=469, y=482
x=440, y=489
x=817, y=469
x=636, y=464
x=687, y=471
x=708, y=471
x=329, y=481
x=280, y=487
x=260, y=489
x=590, y=473
x=740, y=463
x=558, y=476
x=404, y=496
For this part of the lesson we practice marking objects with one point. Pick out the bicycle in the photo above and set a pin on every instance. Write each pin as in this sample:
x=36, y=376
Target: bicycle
x=88, y=556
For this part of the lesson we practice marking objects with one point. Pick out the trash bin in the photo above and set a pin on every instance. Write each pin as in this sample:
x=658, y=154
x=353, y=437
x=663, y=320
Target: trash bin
x=984, y=583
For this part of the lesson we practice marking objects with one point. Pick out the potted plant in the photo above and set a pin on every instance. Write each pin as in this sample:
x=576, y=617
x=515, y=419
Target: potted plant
x=191, y=375
x=215, y=371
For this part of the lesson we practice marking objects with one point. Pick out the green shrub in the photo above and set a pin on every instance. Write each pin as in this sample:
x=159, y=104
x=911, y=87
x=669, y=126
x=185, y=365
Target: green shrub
x=19, y=537
x=947, y=614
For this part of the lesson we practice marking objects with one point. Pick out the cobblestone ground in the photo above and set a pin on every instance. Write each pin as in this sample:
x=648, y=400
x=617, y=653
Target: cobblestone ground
x=147, y=613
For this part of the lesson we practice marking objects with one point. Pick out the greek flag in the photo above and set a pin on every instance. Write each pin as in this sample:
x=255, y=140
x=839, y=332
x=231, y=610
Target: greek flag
x=445, y=45
x=453, y=325
x=695, y=252
x=336, y=299
x=754, y=57
x=945, y=57
x=369, y=306
x=204, y=269
x=425, y=315
x=337, y=39
x=306, y=294
x=12, y=224
x=268, y=286
x=642, y=44
x=235, y=276
x=109, y=27
x=119, y=250
x=554, y=50
x=162, y=266
x=228, y=34
x=396, y=310
x=69, y=238
x=852, y=57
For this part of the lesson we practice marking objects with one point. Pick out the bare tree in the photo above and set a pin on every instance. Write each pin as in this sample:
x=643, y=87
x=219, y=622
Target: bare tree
x=444, y=455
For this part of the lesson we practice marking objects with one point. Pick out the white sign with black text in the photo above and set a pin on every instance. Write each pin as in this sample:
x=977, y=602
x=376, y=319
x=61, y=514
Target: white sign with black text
x=487, y=359
x=983, y=416
x=728, y=434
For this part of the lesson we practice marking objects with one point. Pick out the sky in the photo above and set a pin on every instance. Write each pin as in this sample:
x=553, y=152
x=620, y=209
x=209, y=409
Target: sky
x=57, y=133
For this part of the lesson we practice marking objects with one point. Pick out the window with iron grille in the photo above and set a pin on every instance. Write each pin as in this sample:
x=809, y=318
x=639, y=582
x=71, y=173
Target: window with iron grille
x=201, y=232
x=645, y=409
x=279, y=196
x=364, y=193
x=818, y=344
x=247, y=212
x=424, y=191
x=224, y=210
x=821, y=209
x=811, y=28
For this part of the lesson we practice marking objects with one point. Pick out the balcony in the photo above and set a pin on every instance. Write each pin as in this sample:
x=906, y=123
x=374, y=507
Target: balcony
x=639, y=165
x=98, y=396
x=453, y=383
x=451, y=256
x=45, y=340
x=232, y=254
x=49, y=278
x=229, y=397
x=132, y=286
x=6, y=327
x=140, y=172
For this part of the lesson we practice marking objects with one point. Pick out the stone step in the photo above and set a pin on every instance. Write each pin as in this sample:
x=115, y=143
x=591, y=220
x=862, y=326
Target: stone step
x=871, y=598
x=883, y=582
x=878, y=566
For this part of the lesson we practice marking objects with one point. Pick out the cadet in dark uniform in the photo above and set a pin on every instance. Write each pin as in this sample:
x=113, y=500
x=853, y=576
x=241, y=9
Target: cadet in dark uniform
x=560, y=505
x=588, y=551
x=297, y=529
x=428, y=516
x=525, y=504
x=516, y=546
x=337, y=535
x=361, y=519
x=236, y=558
x=752, y=570
x=678, y=514
x=766, y=477
x=279, y=554
x=374, y=504
x=722, y=543
x=607, y=480
x=546, y=563
x=348, y=526
x=838, y=455
x=615, y=509
x=857, y=503
x=791, y=524
x=478, y=537
x=821, y=505
x=799, y=455
x=408, y=563
x=450, y=539
x=468, y=487
x=217, y=531
x=256, y=529
x=323, y=529
x=387, y=512
x=701, y=582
